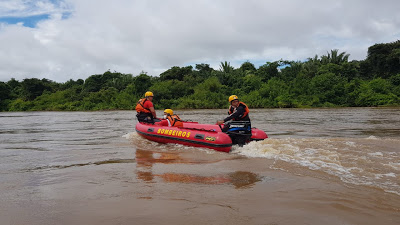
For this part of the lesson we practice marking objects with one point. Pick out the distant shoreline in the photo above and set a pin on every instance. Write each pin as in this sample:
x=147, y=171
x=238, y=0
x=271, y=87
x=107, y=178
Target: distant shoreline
x=112, y=110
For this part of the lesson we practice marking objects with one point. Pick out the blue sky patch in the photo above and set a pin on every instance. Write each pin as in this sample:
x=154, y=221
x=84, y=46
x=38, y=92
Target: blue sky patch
x=29, y=21
x=31, y=12
x=66, y=15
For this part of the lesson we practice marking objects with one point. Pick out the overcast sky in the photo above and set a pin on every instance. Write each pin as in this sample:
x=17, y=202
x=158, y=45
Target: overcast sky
x=72, y=39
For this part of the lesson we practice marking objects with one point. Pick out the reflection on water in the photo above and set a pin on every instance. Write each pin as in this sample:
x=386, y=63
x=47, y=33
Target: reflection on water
x=243, y=179
x=240, y=179
x=145, y=160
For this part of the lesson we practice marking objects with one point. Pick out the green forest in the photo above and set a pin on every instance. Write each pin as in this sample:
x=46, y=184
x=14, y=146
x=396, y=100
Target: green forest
x=329, y=80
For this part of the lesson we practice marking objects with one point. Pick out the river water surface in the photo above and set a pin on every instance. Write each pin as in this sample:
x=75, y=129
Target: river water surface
x=318, y=166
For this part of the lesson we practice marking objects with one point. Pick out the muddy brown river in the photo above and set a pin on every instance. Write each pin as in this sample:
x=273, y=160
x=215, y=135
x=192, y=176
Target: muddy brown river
x=318, y=166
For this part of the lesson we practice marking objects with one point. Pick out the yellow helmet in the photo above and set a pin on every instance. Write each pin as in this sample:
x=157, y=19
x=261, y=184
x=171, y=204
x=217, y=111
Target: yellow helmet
x=169, y=111
x=149, y=94
x=233, y=97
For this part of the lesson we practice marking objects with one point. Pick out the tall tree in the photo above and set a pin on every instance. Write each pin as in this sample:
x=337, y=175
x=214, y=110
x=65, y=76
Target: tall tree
x=248, y=66
x=268, y=70
x=334, y=57
x=225, y=67
x=176, y=73
x=5, y=91
x=33, y=87
x=383, y=60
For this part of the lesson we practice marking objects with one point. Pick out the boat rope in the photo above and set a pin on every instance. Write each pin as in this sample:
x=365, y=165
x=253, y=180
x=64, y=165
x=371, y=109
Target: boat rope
x=199, y=129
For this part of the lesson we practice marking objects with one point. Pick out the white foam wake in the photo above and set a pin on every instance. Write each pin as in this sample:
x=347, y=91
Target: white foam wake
x=355, y=161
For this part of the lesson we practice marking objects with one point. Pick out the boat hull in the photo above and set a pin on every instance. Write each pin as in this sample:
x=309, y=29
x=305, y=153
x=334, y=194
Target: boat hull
x=186, y=136
x=192, y=134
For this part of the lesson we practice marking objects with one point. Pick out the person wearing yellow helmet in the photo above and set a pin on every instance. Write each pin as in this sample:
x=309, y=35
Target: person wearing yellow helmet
x=148, y=94
x=238, y=111
x=168, y=112
x=173, y=119
x=145, y=108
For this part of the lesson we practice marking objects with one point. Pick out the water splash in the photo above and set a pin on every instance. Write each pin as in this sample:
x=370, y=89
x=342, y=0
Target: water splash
x=367, y=161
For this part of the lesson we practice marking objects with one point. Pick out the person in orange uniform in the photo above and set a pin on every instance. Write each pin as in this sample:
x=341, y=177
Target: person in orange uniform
x=145, y=108
x=238, y=111
x=173, y=119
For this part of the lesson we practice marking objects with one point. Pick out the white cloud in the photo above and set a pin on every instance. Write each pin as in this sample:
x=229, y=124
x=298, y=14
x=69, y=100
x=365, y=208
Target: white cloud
x=26, y=8
x=130, y=36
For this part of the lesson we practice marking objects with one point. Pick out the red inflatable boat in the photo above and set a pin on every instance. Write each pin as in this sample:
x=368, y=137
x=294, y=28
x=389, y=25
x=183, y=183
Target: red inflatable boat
x=196, y=135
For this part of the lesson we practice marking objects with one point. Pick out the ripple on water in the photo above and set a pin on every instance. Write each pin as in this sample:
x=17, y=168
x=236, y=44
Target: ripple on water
x=104, y=162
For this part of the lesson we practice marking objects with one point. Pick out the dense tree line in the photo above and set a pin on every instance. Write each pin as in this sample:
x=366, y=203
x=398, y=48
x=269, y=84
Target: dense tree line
x=327, y=81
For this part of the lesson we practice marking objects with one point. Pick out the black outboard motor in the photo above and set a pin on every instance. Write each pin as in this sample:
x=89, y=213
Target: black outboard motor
x=238, y=131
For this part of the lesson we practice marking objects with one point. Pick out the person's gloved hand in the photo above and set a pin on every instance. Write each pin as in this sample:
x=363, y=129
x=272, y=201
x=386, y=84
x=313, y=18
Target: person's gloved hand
x=219, y=122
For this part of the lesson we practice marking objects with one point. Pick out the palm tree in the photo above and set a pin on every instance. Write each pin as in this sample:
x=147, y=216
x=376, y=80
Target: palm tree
x=225, y=67
x=334, y=57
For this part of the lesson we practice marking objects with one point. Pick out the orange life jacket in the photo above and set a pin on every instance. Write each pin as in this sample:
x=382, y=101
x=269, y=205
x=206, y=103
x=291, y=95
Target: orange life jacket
x=232, y=110
x=175, y=121
x=140, y=106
